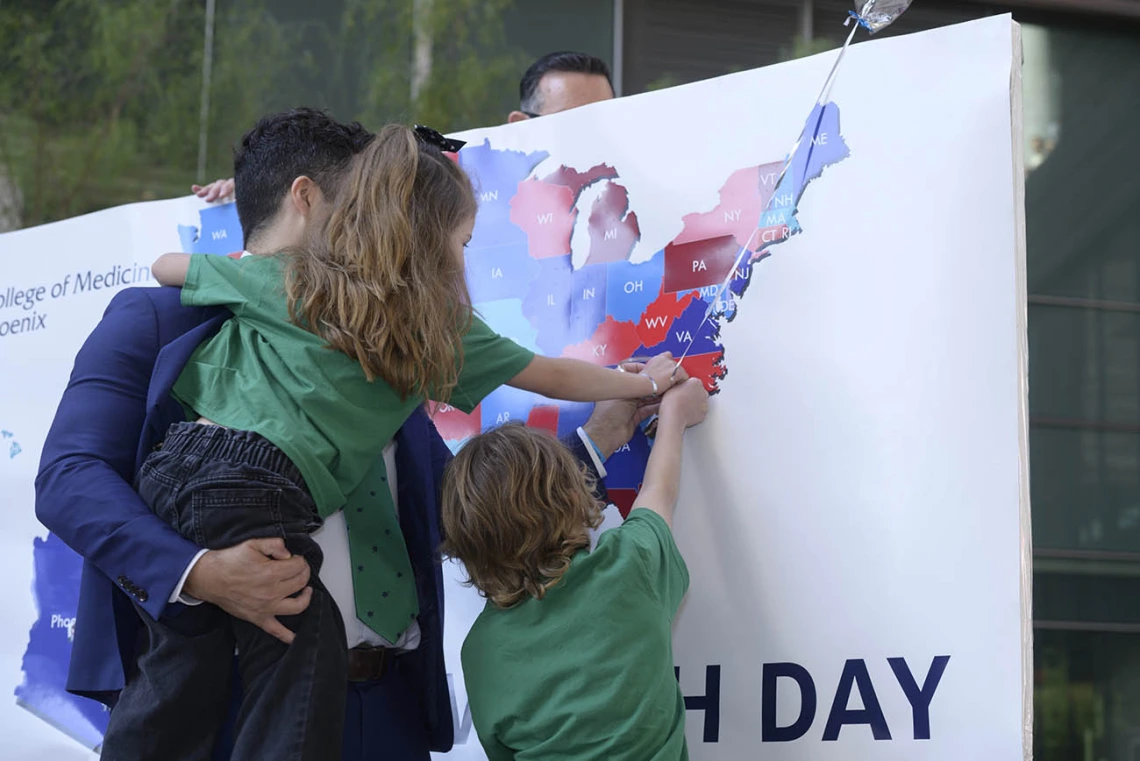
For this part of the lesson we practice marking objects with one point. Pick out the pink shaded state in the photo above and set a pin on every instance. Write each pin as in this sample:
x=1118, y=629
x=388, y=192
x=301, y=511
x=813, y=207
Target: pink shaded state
x=659, y=315
x=612, y=342
x=544, y=418
x=767, y=237
x=546, y=214
x=576, y=181
x=608, y=215
x=452, y=424
x=742, y=199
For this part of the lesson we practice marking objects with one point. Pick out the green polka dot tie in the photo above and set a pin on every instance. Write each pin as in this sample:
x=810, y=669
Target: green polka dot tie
x=381, y=571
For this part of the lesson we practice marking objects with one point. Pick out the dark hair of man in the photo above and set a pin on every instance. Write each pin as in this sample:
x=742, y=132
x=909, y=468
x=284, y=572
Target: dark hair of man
x=285, y=146
x=565, y=62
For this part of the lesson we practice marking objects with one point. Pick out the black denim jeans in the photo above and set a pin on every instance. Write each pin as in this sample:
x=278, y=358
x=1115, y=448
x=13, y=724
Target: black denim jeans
x=219, y=487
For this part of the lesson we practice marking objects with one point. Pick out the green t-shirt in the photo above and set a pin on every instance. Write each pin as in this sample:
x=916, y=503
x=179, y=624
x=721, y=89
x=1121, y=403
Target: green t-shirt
x=264, y=374
x=586, y=672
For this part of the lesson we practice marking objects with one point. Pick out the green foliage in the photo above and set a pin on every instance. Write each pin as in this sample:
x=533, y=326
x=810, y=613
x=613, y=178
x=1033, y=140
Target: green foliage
x=802, y=48
x=81, y=93
x=100, y=99
x=663, y=82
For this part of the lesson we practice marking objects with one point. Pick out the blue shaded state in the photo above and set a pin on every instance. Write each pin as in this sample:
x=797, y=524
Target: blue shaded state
x=782, y=214
x=773, y=217
x=43, y=690
x=547, y=303
x=506, y=318
x=631, y=288
x=219, y=232
x=821, y=146
x=587, y=302
x=500, y=272
x=626, y=467
x=737, y=286
x=507, y=405
x=496, y=175
x=571, y=415
x=14, y=447
x=725, y=306
x=685, y=329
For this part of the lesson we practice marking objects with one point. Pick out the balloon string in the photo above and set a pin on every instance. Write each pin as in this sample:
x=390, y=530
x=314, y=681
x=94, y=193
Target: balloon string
x=823, y=95
x=858, y=20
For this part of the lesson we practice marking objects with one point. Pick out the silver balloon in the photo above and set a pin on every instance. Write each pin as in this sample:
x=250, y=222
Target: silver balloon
x=877, y=15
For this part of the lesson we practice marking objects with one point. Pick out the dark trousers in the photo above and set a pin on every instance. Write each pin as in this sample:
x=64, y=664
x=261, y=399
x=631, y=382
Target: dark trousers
x=385, y=720
x=219, y=487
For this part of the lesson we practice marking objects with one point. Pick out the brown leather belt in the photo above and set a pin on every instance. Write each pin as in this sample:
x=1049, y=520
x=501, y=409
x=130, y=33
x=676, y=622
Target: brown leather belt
x=368, y=664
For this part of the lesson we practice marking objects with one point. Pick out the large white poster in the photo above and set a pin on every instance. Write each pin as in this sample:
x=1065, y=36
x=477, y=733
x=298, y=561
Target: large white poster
x=853, y=512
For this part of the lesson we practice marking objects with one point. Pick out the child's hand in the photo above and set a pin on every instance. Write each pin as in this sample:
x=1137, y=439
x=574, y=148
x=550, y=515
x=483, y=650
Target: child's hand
x=687, y=404
x=665, y=372
x=218, y=190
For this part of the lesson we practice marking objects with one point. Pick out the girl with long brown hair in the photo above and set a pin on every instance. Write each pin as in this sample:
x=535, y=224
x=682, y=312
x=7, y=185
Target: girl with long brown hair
x=331, y=347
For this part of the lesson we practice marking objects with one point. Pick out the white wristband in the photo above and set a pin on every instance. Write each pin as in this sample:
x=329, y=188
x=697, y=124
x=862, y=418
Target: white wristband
x=655, y=391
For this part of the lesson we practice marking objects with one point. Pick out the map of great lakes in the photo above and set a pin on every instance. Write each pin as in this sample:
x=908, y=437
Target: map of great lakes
x=523, y=281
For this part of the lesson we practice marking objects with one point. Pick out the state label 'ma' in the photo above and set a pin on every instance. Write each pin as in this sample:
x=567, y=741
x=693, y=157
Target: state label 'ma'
x=690, y=266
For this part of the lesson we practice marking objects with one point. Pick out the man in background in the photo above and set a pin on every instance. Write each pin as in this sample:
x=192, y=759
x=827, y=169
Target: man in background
x=554, y=83
x=562, y=81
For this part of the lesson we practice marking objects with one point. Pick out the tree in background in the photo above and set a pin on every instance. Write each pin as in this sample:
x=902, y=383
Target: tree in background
x=88, y=104
x=802, y=48
x=100, y=99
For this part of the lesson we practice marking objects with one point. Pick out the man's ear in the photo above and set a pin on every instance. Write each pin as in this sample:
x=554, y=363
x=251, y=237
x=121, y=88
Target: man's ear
x=304, y=195
x=517, y=116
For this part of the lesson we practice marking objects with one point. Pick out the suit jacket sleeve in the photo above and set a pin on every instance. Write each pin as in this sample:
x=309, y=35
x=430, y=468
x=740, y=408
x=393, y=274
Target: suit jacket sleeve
x=577, y=447
x=83, y=489
x=441, y=456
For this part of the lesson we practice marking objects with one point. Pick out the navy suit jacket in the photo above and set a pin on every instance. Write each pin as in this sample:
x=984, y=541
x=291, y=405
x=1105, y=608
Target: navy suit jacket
x=115, y=409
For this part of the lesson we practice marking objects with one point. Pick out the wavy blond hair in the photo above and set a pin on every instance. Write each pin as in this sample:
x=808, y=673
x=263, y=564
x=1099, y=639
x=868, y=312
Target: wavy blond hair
x=382, y=282
x=517, y=507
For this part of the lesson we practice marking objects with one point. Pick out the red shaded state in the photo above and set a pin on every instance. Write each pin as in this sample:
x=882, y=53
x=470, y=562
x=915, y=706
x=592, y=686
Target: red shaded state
x=613, y=228
x=707, y=367
x=546, y=214
x=544, y=418
x=453, y=424
x=577, y=181
x=623, y=499
x=659, y=315
x=612, y=342
x=689, y=266
x=743, y=199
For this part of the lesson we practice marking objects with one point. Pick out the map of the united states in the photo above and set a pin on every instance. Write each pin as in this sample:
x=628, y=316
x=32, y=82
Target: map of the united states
x=532, y=228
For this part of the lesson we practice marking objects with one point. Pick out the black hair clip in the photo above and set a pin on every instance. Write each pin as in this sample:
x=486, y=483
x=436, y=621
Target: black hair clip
x=431, y=137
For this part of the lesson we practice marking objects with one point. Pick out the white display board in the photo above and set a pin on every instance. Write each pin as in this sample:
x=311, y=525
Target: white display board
x=854, y=513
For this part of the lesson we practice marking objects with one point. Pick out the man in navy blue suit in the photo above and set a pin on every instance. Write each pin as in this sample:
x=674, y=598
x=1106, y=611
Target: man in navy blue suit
x=116, y=410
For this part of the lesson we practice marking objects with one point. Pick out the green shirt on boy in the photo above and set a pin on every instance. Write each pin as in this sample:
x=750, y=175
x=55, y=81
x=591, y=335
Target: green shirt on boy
x=586, y=672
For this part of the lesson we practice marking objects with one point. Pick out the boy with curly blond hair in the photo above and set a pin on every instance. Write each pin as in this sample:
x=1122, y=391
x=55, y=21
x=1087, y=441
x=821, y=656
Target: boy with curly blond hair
x=572, y=657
